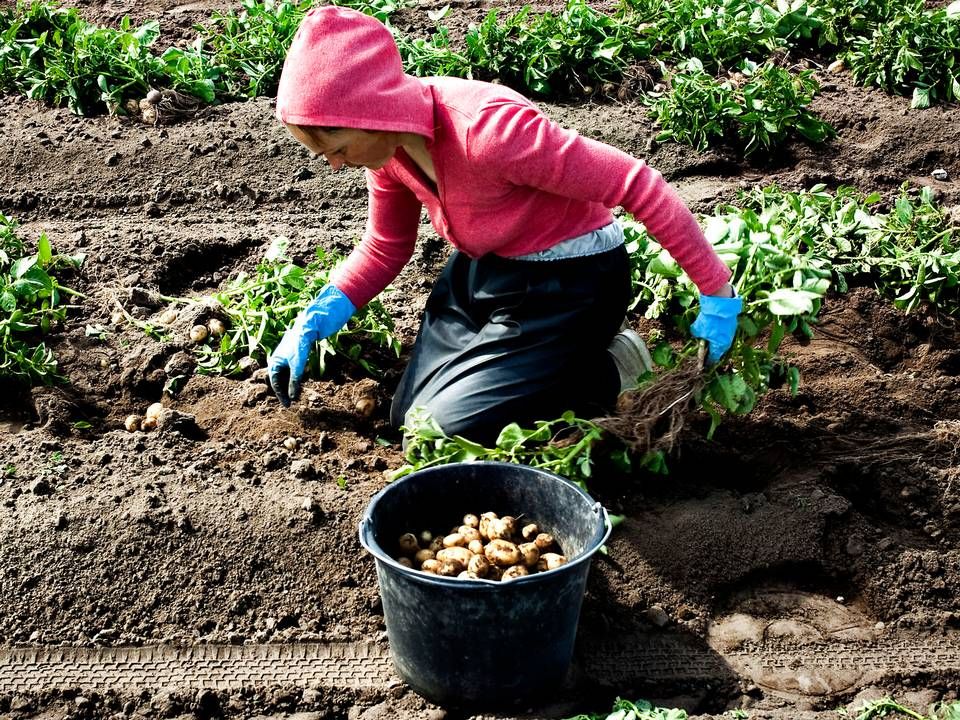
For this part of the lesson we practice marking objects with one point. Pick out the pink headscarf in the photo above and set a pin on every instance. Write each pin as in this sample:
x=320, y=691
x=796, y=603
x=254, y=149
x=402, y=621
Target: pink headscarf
x=343, y=69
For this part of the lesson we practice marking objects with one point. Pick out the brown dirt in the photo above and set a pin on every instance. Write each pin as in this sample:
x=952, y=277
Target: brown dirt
x=222, y=535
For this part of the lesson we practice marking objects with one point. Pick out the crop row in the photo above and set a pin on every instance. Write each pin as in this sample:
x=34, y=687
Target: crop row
x=703, y=49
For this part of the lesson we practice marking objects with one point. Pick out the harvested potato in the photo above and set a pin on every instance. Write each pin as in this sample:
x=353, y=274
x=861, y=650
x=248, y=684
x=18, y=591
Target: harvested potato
x=471, y=520
x=479, y=566
x=467, y=575
x=550, y=561
x=426, y=537
x=148, y=424
x=421, y=556
x=502, y=553
x=484, y=524
x=153, y=96
x=431, y=566
x=501, y=528
x=132, y=422
x=455, y=554
x=405, y=561
x=544, y=541
x=530, y=531
x=475, y=546
x=408, y=543
x=436, y=544
x=450, y=568
x=454, y=540
x=514, y=572
x=469, y=533
x=529, y=553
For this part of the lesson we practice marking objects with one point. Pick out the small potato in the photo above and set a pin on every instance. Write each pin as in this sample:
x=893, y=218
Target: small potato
x=148, y=424
x=469, y=533
x=167, y=317
x=421, y=556
x=365, y=406
x=479, y=566
x=405, y=561
x=544, y=541
x=454, y=540
x=153, y=96
x=290, y=442
x=149, y=115
x=408, y=543
x=436, y=544
x=502, y=528
x=198, y=333
x=426, y=537
x=216, y=327
x=484, y=525
x=511, y=573
x=471, y=520
x=530, y=554
x=495, y=573
x=455, y=554
x=450, y=568
x=467, y=575
x=476, y=547
x=550, y=561
x=530, y=531
x=431, y=566
x=154, y=410
x=132, y=422
x=502, y=553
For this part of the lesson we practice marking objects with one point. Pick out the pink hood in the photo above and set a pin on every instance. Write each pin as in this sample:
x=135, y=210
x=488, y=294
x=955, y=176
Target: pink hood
x=343, y=69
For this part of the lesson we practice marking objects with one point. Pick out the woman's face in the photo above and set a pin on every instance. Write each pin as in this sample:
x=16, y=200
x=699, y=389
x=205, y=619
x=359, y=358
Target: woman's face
x=348, y=147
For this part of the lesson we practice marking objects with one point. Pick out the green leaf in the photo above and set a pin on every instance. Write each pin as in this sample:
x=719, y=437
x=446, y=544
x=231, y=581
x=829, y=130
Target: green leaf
x=44, y=251
x=791, y=301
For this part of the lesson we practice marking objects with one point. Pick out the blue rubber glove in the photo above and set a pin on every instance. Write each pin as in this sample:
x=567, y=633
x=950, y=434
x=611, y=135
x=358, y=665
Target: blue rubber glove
x=328, y=312
x=717, y=324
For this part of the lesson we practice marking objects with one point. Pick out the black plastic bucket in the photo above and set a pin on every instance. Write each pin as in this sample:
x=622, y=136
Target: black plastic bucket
x=481, y=643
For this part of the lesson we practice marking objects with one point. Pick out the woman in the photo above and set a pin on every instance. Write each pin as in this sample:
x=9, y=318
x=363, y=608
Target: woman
x=523, y=322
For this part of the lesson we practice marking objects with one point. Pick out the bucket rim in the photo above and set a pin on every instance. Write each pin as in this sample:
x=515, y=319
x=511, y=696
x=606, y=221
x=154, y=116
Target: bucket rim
x=365, y=530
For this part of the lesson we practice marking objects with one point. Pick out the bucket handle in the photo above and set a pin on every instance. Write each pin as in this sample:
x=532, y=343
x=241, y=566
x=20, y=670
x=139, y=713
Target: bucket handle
x=600, y=510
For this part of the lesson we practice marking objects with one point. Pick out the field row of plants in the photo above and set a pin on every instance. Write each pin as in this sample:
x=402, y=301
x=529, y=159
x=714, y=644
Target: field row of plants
x=787, y=250
x=724, y=62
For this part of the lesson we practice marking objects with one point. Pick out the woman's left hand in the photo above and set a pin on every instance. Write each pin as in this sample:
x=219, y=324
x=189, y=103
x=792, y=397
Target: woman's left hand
x=717, y=321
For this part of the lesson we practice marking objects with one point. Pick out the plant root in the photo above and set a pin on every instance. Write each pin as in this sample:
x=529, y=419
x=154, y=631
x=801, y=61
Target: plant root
x=175, y=105
x=652, y=416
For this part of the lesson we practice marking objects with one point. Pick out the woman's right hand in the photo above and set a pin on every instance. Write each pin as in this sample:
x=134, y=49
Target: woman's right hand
x=286, y=365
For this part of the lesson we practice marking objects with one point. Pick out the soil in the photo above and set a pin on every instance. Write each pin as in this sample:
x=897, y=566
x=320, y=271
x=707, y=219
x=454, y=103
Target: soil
x=844, y=498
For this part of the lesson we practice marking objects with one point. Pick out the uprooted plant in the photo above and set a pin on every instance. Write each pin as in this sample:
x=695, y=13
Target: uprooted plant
x=251, y=312
x=31, y=303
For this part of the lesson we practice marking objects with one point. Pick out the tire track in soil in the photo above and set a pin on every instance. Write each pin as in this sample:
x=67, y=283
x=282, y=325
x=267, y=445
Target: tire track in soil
x=808, y=670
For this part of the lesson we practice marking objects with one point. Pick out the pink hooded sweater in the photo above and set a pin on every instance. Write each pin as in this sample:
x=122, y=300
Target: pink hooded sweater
x=509, y=180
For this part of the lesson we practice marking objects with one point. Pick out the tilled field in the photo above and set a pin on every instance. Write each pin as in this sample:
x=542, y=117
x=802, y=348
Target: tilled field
x=806, y=558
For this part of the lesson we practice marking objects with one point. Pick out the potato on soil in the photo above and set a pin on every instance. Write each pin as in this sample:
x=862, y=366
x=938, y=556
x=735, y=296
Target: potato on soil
x=154, y=410
x=132, y=422
x=408, y=543
x=198, y=333
x=167, y=317
x=365, y=406
x=216, y=327
x=502, y=553
x=148, y=424
x=154, y=96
